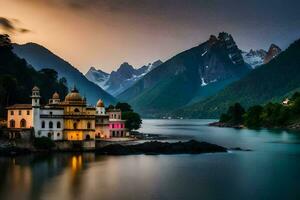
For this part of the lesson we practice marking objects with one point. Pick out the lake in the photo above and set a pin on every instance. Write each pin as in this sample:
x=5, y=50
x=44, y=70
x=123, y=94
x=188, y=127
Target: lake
x=270, y=171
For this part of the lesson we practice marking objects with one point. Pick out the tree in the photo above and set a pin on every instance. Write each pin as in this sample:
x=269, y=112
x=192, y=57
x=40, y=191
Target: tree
x=234, y=115
x=5, y=41
x=252, y=118
x=133, y=120
x=124, y=107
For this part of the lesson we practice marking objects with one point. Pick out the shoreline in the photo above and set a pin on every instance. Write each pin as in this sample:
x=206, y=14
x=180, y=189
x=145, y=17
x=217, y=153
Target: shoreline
x=146, y=148
x=292, y=127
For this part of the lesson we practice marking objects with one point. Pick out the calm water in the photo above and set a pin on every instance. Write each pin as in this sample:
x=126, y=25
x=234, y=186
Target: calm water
x=270, y=171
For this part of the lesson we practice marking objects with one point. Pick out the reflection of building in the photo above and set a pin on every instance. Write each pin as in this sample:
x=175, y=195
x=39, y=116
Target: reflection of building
x=70, y=119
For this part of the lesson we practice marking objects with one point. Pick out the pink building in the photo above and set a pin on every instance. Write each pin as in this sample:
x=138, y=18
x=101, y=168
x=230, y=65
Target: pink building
x=116, y=124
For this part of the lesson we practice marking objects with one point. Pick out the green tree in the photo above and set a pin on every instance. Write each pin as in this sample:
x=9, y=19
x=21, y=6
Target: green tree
x=252, y=117
x=133, y=120
x=124, y=107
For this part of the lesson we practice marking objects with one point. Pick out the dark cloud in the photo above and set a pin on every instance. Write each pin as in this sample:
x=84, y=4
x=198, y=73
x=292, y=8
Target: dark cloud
x=10, y=26
x=6, y=24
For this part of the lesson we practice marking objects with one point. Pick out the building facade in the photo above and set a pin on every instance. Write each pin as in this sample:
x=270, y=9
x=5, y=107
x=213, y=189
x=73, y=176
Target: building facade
x=70, y=119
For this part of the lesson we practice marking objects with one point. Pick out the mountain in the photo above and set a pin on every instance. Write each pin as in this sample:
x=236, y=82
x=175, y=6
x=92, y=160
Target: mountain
x=120, y=80
x=17, y=78
x=256, y=58
x=270, y=82
x=40, y=57
x=98, y=77
x=274, y=51
x=188, y=77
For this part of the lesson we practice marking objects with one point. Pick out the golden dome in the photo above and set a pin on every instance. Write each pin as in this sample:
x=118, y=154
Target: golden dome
x=55, y=95
x=100, y=103
x=74, y=96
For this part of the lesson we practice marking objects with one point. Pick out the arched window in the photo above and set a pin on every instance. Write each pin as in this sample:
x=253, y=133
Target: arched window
x=75, y=125
x=76, y=110
x=43, y=124
x=23, y=123
x=49, y=135
x=50, y=124
x=58, y=125
x=87, y=137
x=88, y=125
x=58, y=134
x=12, y=123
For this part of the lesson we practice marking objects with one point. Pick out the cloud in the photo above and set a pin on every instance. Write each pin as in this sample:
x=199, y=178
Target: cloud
x=6, y=24
x=10, y=26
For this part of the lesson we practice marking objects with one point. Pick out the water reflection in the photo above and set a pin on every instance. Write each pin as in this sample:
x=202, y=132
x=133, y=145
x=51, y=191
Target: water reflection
x=239, y=175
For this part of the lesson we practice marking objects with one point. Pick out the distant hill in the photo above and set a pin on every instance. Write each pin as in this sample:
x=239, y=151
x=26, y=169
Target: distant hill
x=188, y=77
x=121, y=79
x=270, y=82
x=40, y=57
x=17, y=78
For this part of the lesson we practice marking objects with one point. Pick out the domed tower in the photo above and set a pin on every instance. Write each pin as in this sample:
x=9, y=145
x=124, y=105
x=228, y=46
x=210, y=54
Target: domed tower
x=55, y=99
x=100, y=108
x=35, y=97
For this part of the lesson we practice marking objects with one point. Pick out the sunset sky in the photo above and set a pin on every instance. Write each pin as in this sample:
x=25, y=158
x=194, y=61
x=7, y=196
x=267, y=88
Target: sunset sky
x=105, y=33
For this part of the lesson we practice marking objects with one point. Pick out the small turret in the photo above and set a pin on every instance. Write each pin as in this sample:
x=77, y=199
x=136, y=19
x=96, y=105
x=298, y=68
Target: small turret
x=100, y=108
x=35, y=97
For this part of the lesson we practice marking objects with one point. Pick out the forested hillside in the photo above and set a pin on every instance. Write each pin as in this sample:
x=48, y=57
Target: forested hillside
x=17, y=78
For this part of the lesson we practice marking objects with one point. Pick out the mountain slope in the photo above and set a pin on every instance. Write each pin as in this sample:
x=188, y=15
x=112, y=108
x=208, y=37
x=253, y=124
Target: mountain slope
x=98, y=77
x=17, y=79
x=189, y=76
x=120, y=80
x=40, y=57
x=269, y=82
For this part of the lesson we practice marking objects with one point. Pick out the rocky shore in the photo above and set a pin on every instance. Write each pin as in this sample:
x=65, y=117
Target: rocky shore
x=225, y=125
x=290, y=127
x=149, y=148
x=155, y=147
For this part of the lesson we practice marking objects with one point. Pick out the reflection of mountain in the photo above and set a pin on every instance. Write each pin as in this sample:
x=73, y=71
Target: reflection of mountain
x=40, y=57
x=188, y=77
x=119, y=80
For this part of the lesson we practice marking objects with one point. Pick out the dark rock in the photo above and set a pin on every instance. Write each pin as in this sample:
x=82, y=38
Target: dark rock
x=155, y=147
